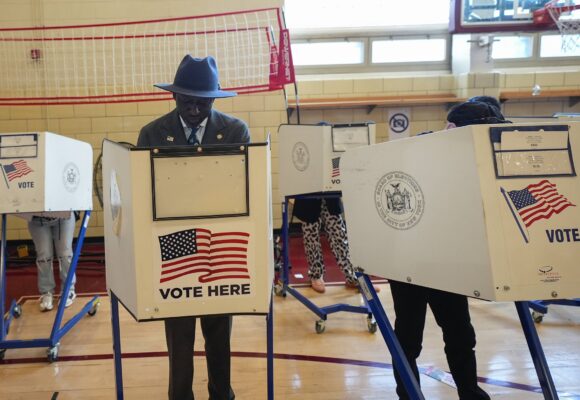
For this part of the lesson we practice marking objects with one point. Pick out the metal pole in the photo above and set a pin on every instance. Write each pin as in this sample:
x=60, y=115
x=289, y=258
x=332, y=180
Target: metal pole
x=399, y=360
x=117, y=346
x=542, y=369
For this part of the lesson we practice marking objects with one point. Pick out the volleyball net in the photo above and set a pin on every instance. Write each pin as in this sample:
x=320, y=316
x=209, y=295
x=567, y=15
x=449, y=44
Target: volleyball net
x=120, y=62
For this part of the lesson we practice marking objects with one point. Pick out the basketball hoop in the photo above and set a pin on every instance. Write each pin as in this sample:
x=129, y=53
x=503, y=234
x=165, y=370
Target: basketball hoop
x=566, y=16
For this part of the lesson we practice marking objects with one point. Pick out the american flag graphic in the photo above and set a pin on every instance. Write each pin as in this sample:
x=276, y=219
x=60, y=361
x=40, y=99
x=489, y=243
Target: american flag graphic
x=212, y=255
x=538, y=201
x=16, y=169
x=335, y=167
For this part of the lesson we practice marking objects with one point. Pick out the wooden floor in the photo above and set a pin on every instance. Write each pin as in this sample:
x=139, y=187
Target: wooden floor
x=344, y=362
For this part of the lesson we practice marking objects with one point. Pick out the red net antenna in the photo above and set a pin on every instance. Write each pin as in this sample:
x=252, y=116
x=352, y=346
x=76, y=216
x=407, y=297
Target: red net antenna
x=565, y=15
x=120, y=62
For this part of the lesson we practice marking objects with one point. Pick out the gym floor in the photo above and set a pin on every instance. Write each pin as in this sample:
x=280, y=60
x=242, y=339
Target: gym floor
x=344, y=362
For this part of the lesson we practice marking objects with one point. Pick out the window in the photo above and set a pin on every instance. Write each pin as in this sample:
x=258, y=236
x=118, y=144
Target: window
x=408, y=50
x=325, y=14
x=521, y=46
x=328, y=53
x=559, y=46
x=378, y=36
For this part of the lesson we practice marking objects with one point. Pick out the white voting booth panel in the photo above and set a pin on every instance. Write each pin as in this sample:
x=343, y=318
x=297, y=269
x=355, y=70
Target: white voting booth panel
x=188, y=230
x=556, y=118
x=44, y=172
x=310, y=155
x=488, y=211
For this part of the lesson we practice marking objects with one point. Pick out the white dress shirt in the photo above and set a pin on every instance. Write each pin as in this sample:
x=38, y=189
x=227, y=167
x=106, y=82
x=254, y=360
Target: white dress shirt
x=198, y=134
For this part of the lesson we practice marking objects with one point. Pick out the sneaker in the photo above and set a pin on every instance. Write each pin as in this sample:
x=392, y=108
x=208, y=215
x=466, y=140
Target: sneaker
x=71, y=297
x=46, y=302
x=317, y=285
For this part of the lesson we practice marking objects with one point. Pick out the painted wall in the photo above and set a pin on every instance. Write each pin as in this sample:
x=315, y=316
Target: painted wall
x=263, y=112
x=21, y=13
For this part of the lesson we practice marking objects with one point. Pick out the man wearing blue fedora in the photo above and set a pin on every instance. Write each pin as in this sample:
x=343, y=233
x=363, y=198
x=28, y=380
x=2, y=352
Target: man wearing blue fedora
x=195, y=122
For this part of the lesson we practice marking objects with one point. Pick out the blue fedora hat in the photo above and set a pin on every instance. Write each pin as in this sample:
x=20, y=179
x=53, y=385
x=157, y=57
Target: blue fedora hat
x=196, y=77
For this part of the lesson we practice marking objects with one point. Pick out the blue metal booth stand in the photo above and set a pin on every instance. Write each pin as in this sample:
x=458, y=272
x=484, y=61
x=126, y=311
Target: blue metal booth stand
x=283, y=286
x=399, y=360
x=15, y=311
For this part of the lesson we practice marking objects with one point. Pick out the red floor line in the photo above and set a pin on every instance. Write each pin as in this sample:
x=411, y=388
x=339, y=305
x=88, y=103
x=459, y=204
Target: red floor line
x=279, y=356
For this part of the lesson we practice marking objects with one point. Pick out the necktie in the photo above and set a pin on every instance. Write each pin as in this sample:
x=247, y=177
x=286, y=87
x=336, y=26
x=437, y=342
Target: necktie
x=192, y=137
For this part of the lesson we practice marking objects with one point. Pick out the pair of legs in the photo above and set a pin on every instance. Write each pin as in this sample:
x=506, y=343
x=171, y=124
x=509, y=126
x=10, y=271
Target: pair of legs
x=50, y=235
x=451, y=313
x=180, y=335
x=335, y=229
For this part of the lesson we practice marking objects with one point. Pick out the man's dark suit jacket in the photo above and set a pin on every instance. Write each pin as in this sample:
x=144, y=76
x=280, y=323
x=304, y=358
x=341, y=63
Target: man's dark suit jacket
x=168, y=131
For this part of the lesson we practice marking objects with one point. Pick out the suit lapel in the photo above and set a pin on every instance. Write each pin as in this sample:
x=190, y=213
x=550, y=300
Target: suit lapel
x=172, y=132
x=213, y=131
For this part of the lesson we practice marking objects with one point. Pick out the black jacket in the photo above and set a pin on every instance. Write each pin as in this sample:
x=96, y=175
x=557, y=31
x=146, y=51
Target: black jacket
x=168, y=131
x=308, y=210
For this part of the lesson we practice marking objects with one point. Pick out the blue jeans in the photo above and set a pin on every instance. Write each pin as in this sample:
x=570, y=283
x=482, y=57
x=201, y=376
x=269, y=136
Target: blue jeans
x=45, y=232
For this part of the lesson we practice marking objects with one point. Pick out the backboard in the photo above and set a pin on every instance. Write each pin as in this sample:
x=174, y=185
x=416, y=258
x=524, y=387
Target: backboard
x=475, y=16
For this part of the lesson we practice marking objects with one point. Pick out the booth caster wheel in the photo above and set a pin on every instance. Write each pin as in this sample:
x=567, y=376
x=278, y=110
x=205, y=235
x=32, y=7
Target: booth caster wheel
x=537, y=317
x=94, y=308
x=17, y=311
x=52, y=354
x=2, y=354
x=320, y=326
x=371, y=325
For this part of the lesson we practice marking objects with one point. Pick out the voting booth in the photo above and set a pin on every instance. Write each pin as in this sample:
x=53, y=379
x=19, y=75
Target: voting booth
x=488, y=211
x=188, y=230
x=43, y=172
x=310, y=155
x=48, y=175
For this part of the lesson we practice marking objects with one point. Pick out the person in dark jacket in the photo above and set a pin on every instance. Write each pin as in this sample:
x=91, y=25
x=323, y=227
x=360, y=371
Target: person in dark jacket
x=451, y=310
x=194, y=122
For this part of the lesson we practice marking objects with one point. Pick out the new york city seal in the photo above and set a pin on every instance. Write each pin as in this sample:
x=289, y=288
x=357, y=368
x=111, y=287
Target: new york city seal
x=399, y=200
x=300, y=156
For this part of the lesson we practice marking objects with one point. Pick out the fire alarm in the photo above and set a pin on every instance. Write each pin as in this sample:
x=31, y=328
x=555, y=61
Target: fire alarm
x=35, y=54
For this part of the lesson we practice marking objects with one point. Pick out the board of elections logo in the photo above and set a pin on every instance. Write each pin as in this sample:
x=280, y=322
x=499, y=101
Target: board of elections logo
x=71, y=177
x=399, y=200
x=300, y=156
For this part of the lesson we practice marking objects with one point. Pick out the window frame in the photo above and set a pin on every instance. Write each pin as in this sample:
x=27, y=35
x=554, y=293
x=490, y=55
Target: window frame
x=541, y=36
x=535, y=60
x=334, y=40
x=367, y=37
x=446, y=56
x=517, y=59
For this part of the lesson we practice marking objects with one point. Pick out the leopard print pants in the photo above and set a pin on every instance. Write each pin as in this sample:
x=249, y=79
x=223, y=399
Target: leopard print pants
x=335, y=229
